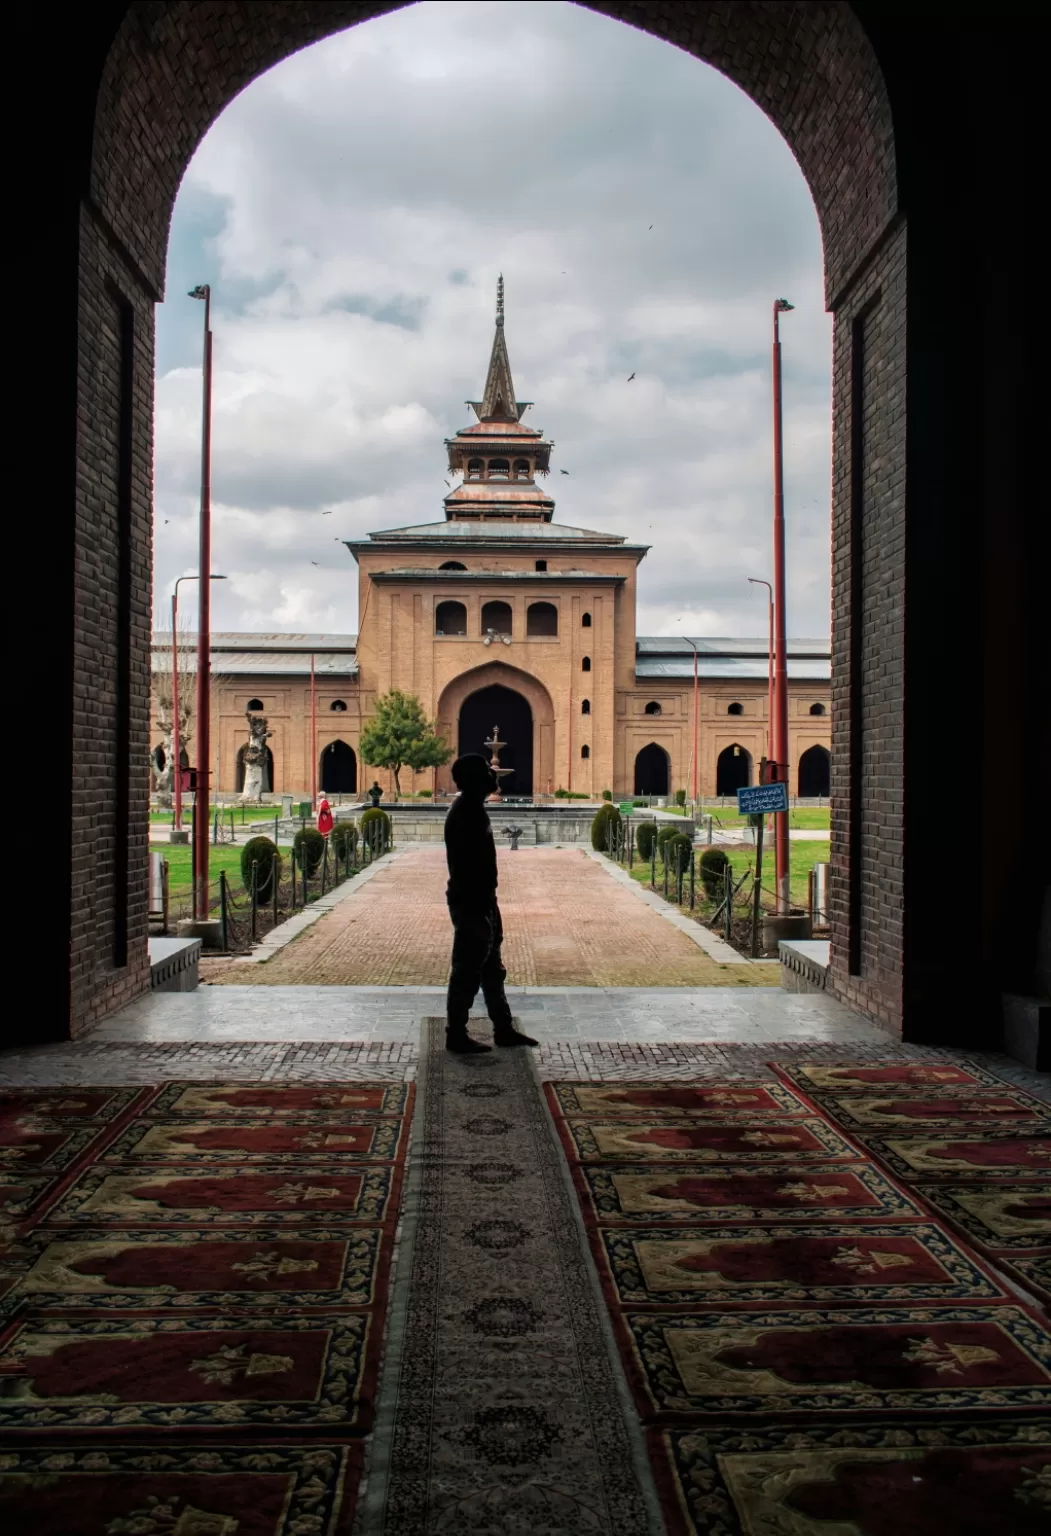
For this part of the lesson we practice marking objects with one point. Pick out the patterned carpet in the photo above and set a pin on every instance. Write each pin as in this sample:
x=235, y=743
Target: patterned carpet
x=811, y=1288
x=195, y=1282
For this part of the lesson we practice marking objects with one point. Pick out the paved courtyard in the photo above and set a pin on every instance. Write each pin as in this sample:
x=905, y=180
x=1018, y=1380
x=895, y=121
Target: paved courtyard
x=568, y=922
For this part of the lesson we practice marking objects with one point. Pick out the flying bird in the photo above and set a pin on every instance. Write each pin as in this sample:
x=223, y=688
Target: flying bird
x=315, y=562
x=630, y=377
x=651, y=226
x=327, y=512
x=165, y=522
x=563, y=471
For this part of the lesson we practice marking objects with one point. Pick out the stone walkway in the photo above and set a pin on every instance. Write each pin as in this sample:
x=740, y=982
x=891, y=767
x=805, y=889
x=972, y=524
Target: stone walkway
x=567, y=923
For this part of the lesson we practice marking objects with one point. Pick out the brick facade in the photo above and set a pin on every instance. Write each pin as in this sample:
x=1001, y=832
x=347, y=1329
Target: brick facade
x=935, y=525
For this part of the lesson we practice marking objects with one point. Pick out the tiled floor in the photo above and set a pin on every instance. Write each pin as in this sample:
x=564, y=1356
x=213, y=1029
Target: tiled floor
x=310, y=1033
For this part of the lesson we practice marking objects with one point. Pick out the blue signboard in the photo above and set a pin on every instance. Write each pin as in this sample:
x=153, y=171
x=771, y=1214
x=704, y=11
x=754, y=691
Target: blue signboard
x=762, y=799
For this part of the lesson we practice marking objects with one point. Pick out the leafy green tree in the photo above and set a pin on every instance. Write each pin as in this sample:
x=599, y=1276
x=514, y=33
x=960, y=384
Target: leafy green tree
x=399, y=735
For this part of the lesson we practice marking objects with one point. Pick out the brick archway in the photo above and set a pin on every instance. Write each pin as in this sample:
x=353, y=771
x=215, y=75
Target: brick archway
x=499, y=674
x=880, y=133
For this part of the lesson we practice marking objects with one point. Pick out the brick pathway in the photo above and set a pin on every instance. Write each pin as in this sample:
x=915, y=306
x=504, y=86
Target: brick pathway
x=566, y=922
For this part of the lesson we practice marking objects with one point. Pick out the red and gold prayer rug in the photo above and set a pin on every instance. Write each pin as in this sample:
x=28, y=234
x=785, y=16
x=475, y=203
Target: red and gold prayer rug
x=810, y=1338
x=987, y=1173
x=196, y=1283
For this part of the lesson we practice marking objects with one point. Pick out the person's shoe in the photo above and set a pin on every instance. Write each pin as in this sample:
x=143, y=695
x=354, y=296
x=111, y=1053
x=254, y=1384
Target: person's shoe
x=460, y=1042
x=507, y=1034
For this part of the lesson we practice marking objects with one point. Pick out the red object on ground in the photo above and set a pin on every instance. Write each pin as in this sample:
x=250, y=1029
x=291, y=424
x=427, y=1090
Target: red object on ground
x=325, y=822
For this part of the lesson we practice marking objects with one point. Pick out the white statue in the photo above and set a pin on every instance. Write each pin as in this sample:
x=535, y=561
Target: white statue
x=257, y=778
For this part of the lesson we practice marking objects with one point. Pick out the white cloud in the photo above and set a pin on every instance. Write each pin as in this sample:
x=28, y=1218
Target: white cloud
x=352, y=208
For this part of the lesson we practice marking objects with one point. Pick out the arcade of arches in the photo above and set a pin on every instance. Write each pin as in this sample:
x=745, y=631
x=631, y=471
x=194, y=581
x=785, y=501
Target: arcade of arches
x=934, y=530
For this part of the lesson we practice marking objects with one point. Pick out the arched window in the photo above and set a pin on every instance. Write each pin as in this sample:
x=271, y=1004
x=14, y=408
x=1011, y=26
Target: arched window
x=585, y=706
x=450, y=618
x=255, y=705
x=735, y=709
x=339, y=706
x=475, y=469
x=521, y=469
x=496, y=618
x=541, y=565
x=817, y=709
x=585, y=752
x=499, y=469
x=652, y=708
x=542, y=619
x=585, y=622
x=585, y=665
x=452, y=565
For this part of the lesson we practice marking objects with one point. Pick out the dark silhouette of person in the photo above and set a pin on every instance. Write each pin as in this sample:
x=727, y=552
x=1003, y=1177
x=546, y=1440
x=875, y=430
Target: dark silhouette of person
x=477, y=929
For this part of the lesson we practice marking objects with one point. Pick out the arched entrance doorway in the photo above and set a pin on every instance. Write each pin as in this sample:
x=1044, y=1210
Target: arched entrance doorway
x=815, y=773
x=733, y=771
x=339, y=769
x=508, y=709
x=268, y=774
x=652, y=772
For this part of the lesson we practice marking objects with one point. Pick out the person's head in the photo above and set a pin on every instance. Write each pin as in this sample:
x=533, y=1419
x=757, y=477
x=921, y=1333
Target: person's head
x=473, y=776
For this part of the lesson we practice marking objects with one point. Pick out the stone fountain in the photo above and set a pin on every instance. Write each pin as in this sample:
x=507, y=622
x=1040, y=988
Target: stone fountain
x=496, y=746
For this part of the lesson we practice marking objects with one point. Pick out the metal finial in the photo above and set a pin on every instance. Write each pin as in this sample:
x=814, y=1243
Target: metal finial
x=500, y=299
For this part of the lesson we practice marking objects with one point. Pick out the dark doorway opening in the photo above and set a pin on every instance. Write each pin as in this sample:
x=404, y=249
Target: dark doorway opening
x=815, y=773
x=733, y=771
x=339, y=769
x=651, y=771
x=268, y=772
x=503, y=707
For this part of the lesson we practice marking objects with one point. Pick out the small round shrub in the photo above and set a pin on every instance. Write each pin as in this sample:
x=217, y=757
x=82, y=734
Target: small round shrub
x=376, y=829
x=677, y=850
x=713, y=863
x=344, y=839
x=645, y=838
x=680, y=797
x=263, y=853
x=665, y=830
x=426, y=794
x=607, y=794
x=605, y=827
x=309, y=847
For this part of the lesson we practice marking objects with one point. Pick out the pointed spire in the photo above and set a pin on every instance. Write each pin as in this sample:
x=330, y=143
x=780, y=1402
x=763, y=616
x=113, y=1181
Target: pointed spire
x=498, y=403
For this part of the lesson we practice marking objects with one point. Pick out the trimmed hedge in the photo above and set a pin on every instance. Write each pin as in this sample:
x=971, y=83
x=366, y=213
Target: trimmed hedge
x=263, y=853
x=607, y=794
x=713, y=862
x=344, y=839
x=605, y=827
x=645, y=837
x=672, y=856
x=666, y=830
x=309, y=848
x=680, y=797
x=379, y=840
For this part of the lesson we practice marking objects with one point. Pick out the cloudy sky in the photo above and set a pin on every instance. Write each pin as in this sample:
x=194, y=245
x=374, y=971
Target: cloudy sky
x=352, y=209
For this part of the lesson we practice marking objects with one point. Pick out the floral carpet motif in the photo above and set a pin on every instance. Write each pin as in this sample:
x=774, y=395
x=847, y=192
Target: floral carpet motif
x=876, y=1480
x=989, y=1177
x=881, y=1373
x=211, y=1263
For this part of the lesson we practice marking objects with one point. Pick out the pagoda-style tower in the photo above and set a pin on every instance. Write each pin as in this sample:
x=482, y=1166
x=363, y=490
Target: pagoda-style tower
x=498, y=457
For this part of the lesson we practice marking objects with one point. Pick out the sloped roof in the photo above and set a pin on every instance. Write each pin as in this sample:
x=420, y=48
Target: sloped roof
x=493, y=530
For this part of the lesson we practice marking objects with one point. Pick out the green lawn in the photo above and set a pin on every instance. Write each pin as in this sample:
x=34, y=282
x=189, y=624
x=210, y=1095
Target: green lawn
x=811, y=818
x=180, y=866
x=242, y=815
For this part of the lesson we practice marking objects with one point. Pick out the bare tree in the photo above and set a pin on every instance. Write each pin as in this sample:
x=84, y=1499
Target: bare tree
x=162, y=763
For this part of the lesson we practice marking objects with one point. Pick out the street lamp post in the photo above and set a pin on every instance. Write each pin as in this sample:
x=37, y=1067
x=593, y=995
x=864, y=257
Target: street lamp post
x=204, y=624
x=176, y=742
x=757, y=581
x=696, y=722
x=780, y=720
x=313, y=735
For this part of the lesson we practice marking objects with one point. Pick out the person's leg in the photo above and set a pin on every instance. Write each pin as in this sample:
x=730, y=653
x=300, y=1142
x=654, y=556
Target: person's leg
x=472, y=941
x=493, y=978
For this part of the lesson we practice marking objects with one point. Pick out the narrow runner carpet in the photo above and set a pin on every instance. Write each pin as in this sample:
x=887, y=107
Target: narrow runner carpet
x=506, y=1415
